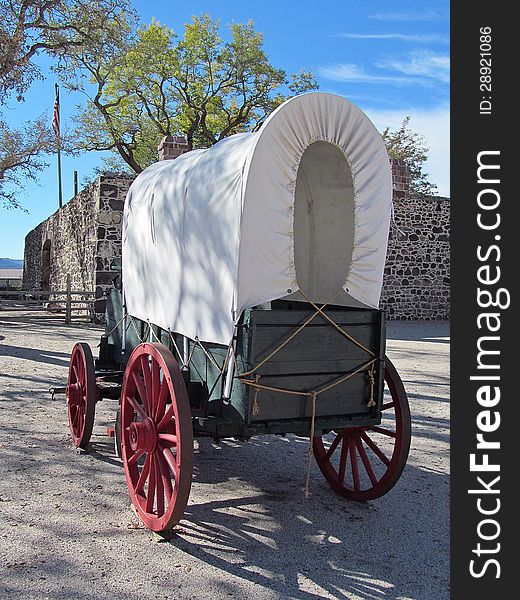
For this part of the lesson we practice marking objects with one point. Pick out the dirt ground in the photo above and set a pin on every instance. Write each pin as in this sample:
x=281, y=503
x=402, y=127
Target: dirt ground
x=67, y=531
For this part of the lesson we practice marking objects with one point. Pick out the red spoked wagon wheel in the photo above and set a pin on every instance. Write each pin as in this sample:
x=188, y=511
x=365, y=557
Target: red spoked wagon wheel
x=363, y=463
x=156, y=436
x=81, y=394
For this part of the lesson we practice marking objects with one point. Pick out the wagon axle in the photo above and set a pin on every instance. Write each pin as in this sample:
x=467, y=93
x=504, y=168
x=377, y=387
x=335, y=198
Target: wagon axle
x=74, y=394
x=143, y=436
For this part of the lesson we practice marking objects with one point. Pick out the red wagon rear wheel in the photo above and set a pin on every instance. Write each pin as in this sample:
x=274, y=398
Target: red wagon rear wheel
x=156, y=436
x=363, y=463
x=81, y=394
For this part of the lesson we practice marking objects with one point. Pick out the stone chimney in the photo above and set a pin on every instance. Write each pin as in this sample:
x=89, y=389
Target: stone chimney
x=400, y=178
x=172, y=147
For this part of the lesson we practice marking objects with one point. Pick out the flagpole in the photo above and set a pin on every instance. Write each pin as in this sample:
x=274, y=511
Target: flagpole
x=60, y=193
x=56, y=127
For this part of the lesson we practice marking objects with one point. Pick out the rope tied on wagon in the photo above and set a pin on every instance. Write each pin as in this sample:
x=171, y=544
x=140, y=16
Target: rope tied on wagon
x=310, y=450
x=368, y=366
x=313, y=395
x=255, y=410
x=372, y=381
x=209, y=356
x=319, y=311
x=107, y=335
x=136, y=331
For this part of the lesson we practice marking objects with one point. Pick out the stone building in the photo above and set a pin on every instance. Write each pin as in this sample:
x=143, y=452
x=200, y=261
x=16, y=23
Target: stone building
x=82, y=238
x=417, y=271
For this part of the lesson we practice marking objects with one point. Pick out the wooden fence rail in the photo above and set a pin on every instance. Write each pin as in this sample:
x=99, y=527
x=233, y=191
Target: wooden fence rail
x=68, y=301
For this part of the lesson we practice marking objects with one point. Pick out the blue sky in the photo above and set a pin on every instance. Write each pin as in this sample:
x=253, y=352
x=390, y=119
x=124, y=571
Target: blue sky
x=391, y=59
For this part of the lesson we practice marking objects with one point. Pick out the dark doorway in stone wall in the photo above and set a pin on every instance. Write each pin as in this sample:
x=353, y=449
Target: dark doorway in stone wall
x=46, y=265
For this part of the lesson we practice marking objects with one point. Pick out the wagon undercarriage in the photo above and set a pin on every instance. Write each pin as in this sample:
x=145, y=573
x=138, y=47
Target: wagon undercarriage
x=357, y=418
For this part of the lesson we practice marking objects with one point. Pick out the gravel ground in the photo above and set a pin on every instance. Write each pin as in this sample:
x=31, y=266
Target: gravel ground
x=67, y=531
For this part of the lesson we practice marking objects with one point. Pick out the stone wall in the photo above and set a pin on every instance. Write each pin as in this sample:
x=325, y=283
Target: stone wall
x=71, y=234
x=417, y=271
x=109, y=216
x=84, y=236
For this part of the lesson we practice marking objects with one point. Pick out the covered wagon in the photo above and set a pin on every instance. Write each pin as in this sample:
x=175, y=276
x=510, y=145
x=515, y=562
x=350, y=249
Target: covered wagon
x=248, y=305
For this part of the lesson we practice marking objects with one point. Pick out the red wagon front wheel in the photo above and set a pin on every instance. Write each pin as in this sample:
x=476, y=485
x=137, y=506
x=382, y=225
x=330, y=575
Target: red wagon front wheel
x=156, y=436
x=81, y=394
x=364, y=463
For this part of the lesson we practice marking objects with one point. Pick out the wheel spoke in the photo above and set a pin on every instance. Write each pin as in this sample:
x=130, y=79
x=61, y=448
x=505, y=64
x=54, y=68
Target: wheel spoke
x=388, y=405
x=142, y=392
x=375, y=449
x=74, y=427
x=366, y=461
x=383, y=431
x=169, y=438
x=161, y=402
x=79, y=372
x=150, y=494
x=81, y=416
x=168, y=415
x=144, y=474
x=135, y=457
x=354, y=464
x=159, y=488
x=147, y=375
x=334, y=445
x=343, y=460
x=77, y=418
x=172, y=463
x=165, y=474
x=75, y=369
x=137, y=407
x=155, y=386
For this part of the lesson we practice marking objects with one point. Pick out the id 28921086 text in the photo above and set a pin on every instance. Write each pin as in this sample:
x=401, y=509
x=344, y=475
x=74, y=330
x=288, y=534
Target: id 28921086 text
x=485, y=71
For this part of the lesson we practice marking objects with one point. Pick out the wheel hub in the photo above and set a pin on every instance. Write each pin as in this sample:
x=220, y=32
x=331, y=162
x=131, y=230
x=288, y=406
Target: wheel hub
x=74, y=394
x=143, y=435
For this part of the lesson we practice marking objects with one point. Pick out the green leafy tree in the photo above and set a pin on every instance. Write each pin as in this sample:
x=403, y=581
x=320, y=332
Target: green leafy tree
x=21, y=153
x=29, y=28
x=405, y=144
x=156, y=84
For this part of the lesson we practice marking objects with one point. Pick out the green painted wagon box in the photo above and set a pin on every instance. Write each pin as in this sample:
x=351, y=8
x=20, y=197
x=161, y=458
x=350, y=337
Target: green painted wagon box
x=314, y=358
x=318, y=356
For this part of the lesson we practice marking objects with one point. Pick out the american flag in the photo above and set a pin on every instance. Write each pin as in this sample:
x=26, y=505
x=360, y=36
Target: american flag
x=56, y=115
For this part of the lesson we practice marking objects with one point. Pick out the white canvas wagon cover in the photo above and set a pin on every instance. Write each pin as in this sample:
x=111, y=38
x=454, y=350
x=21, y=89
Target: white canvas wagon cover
x=303, y=204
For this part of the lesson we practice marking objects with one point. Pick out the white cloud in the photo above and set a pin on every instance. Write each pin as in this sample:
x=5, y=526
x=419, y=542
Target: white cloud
x=421, y=63
x=420, y=67
x=403, y=37
x=434, y=125
x=426, y=15
x=355, y=73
